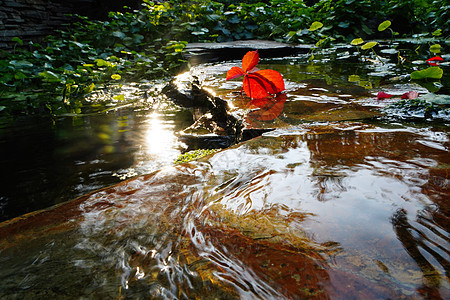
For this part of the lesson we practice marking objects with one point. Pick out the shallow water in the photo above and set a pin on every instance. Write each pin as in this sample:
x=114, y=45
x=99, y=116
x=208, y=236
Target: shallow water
x=333, y=210
x=49, y=163
x=338, y=202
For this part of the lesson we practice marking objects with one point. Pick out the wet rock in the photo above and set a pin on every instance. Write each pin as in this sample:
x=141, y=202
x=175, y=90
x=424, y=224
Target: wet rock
x=197, y=53
x=216, y=128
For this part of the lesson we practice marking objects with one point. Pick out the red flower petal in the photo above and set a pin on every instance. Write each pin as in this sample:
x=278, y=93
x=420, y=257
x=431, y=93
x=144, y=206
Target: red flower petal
x=250, y=60
x=383, y=95
x=410, y=95
x=234, y=72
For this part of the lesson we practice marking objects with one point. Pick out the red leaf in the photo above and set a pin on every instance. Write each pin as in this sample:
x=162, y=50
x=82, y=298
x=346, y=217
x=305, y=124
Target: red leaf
x=271, y=109
x=434, y=61
x=263, y=83
x=254, y=87
x=250, y=61
x=234, y=72
x=383, y=95
x=274, y=79
x=410, y=95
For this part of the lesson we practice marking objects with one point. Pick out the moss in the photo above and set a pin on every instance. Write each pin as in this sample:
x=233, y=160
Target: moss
x=193, y=155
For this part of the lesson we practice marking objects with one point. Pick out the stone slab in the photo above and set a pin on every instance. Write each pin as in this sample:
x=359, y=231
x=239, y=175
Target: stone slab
x=197, y=53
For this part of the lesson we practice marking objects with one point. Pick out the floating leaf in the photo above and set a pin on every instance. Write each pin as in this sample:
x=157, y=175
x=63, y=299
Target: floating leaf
x=257, y=83
x=315, y=25
x=437, y=32
x=365, y=84
x=385, y=25
x=263, y=83
x=368, y=45
x=436, y=48
x=116, y=76
x=429, y=73
x=383, y=95
x=357, y=41
x=410, y=95
x=353, y=78
x=119, y=97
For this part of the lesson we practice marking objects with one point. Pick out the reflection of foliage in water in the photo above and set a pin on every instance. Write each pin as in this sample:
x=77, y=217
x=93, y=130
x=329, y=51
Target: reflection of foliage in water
x=410, y=108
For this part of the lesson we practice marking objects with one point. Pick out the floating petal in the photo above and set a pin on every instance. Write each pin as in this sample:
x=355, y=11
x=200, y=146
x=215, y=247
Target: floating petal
x=383, y=95
x=410, y=95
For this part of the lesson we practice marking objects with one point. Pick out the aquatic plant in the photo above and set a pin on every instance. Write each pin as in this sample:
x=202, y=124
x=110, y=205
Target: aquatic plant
x=193, y=155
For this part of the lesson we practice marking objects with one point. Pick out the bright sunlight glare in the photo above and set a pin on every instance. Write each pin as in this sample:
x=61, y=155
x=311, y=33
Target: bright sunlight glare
x=159, y=138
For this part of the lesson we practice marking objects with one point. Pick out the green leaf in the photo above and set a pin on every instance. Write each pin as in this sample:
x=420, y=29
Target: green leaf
x=353, y=78
x=21, y=63
x=429, y=73
x=50, y=76
x=384, y=25
x=368, y=45
x=17, y=40
x=119, y=97
x=116, y=76
x=357, y=41
x=89, y=88
x=20, y=75
x=119, y=34
x=315, y=25
x=436, y=48
x=437, y=32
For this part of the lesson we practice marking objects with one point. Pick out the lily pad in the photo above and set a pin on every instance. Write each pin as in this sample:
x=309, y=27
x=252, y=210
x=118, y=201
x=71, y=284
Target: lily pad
x=357, y=41
x=385, y=25
x=436, y=48
x=428, y=73
x=369, y=45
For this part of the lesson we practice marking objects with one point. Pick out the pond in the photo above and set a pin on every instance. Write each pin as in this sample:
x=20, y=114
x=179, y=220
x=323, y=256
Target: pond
x=340, y=197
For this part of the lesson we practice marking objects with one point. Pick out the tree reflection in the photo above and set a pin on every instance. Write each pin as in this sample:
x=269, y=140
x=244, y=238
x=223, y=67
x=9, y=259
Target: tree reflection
x=415, y=241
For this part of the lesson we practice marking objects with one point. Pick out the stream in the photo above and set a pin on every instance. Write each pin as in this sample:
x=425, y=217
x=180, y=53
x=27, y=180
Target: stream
x=341, y=197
